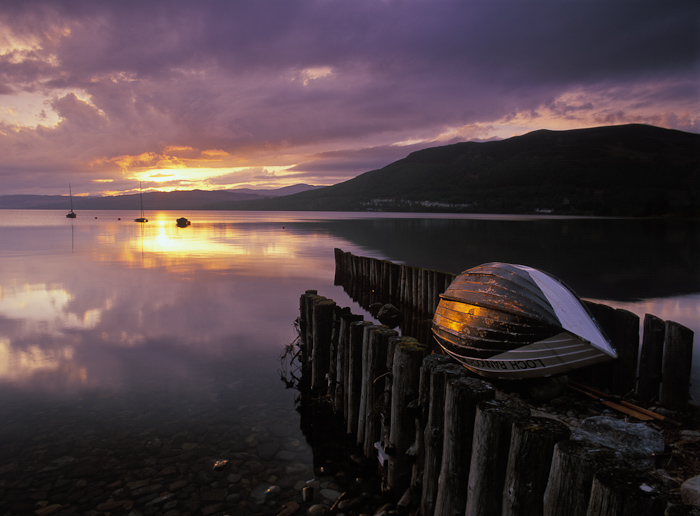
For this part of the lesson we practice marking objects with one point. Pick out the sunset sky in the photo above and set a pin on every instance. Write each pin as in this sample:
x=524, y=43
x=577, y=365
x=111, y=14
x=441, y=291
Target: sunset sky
x=216, y=94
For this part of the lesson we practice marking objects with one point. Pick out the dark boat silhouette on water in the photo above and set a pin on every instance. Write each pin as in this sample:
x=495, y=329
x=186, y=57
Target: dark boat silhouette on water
x=141, y=218
x=502, y=320
x=182, y=222
x=72, y=214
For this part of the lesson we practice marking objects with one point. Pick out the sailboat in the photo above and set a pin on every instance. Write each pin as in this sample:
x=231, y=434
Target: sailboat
x=141, y=218
x=72, y=214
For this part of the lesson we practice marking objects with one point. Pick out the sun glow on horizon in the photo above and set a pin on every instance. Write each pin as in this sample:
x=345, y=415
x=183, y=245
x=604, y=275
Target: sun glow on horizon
x=207, y=178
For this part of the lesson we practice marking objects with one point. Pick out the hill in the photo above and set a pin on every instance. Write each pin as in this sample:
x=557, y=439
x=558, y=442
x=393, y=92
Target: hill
x=628, y=170
x=177, y=200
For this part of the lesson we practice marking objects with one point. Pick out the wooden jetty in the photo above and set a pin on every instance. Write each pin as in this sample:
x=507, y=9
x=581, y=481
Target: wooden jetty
x=658, y=350
x=445, y=440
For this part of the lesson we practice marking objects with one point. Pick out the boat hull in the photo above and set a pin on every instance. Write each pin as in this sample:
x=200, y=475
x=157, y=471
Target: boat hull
x=511, y=321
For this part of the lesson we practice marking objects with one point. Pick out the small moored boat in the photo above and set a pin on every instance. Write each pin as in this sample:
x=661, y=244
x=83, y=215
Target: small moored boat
x=182, y=222
x=142, y=218
x=504, y=320
x=71, y=214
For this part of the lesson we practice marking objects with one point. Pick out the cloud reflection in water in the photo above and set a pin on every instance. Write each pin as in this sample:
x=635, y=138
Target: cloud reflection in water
x=152, y=306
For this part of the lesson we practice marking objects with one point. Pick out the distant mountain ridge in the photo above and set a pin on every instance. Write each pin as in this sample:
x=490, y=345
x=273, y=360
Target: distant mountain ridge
x=176, y=200
x=626, y=170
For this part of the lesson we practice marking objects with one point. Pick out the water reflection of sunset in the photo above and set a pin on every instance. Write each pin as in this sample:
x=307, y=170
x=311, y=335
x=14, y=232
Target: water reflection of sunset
x=42, y=312
x=17, y=364
x=105, y=303
x=216, y=247
x=100, y=302
x=45, y=306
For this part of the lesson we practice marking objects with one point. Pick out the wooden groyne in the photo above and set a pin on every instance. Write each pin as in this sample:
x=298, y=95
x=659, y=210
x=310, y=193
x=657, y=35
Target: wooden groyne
x=448, y=442
x=654, y=358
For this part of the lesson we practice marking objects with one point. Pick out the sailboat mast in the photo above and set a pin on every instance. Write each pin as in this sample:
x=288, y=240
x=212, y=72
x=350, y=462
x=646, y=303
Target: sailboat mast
x=71, y=214
x=141, y=218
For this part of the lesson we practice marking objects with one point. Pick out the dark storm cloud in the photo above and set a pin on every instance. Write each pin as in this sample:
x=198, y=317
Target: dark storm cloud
x=300, y=82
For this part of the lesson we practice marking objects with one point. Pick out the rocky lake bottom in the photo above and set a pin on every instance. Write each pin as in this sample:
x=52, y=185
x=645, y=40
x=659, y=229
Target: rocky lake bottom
x=242, y=448
x=227, y=453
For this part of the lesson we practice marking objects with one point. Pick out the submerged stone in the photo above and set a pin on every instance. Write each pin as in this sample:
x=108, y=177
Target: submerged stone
x=690, y=491
x=636, y=443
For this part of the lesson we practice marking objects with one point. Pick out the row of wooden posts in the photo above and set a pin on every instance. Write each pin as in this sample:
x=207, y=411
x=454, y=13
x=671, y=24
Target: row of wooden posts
x=654, y=358
x=446, y=443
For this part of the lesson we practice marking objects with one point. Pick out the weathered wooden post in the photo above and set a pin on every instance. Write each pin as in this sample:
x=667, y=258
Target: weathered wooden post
x=627, y=341
x=651, y=358
x=405, y=373
x=349, y=265
x=424, y=290
x=373, y=387
x=367, y=341
x=367, y=270
x=395, y=272
x=322, y=329
x=342, y=362
x=302, y=303
x=490, y=451
x=354, y=377
x=385, y=403
x=341, y=266
x=434, y=432
x=626, y=492
x=529, y=461
x=418, y=449
x=335, y=337
x=305, y=326
x=401, y=285
x=385, y=278
x=574, y=464
x=601, y=374
x=678, y=357
x=461, y=399
x=415, y=290
x=438, y=281
x=374, y=281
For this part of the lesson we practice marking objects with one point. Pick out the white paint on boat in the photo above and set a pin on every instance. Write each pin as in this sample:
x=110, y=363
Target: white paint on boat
x=547, y=357
x=568, y=309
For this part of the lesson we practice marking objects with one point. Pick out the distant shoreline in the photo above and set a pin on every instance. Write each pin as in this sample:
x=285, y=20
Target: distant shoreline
x=388, y=214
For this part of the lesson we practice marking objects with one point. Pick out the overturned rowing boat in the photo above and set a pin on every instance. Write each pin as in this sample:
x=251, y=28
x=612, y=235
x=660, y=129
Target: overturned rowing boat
x=511, y=321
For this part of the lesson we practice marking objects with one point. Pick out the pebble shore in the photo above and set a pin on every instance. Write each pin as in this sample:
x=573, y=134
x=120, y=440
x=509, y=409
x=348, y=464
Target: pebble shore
x=223, y=456
x=230, y=453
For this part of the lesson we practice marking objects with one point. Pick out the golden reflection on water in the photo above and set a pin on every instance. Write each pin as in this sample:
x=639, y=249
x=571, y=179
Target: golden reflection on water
x=18, y=364
x=214, y=247
x=43, y=310
x=44, y=304
x=80, y=317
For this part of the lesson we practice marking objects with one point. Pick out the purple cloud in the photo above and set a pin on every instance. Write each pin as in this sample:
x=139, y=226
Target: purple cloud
x=324, y=90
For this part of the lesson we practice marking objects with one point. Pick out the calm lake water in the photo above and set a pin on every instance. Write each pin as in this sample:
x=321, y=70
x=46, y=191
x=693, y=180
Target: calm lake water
x=152, y=330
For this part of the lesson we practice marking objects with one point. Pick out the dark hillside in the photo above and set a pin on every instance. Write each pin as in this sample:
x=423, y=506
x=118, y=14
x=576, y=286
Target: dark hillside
x=630, y=170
